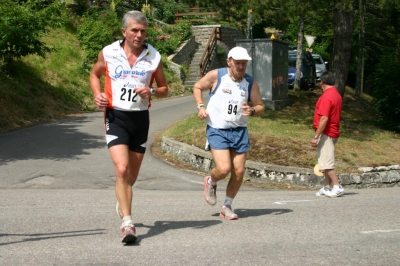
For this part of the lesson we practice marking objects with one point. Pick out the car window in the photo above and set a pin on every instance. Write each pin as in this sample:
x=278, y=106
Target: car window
x=318, y=60
x=292, y=61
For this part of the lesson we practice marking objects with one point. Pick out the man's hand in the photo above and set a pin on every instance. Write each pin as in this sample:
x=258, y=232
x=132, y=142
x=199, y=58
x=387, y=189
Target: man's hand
x=202, y=113
x=246, y=109
x=314, y=142
x=101, y=100
x=143, y=92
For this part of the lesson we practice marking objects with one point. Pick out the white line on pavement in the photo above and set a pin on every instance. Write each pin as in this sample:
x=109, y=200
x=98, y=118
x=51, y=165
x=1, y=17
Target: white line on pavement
x=284, y=202
x=380, y=231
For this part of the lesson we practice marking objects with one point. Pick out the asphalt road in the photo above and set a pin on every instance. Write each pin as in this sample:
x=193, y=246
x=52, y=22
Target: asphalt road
x=57, y=208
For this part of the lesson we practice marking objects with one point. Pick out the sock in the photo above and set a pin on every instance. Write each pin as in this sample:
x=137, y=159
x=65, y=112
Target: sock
x=211, y=182
x=335, y=186
x=127, y=220
x=228, y=201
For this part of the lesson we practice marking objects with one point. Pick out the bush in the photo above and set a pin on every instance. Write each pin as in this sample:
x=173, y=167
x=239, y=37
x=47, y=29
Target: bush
x=165, y=10
x=167, y=39
x=98, y=29
x=22, y=27
x=386, y=91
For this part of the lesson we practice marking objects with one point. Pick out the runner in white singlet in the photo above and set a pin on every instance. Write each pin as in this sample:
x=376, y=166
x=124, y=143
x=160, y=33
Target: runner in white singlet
x=130, y=66
x=226, y=114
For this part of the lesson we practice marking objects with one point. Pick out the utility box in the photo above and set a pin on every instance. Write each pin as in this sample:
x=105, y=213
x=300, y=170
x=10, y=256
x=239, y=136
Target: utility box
x=269, y=67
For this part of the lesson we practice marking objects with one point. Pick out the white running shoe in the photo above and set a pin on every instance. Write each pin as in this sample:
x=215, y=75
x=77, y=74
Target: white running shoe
x=210, y=192
x=335, y=192
x=322, y=191
x=227, y=213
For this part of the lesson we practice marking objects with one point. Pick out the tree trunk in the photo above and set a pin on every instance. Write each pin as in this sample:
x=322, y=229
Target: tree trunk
x=361, y=36
x=297, y=85
x=342, y=37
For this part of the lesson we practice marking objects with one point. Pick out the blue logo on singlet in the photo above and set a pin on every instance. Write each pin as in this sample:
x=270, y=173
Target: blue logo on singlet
x=119, y=72
x=231, y=101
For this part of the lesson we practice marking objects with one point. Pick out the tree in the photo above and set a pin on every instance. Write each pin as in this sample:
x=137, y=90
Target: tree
x=361, y=41
x=342, y=40
x=22, y=26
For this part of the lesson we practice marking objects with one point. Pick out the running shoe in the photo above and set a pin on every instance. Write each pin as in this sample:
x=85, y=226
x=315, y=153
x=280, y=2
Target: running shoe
x=119, y=211
x=335, y=192
x=227, y=213
x=128, y=234
x=209, y=192
x=322, y=191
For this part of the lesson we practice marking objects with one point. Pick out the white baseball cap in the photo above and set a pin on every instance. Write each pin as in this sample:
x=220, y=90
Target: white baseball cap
x=239, y=53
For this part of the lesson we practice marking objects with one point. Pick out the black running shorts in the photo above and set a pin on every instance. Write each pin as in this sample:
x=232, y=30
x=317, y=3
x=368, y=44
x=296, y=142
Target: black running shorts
x=128, y=128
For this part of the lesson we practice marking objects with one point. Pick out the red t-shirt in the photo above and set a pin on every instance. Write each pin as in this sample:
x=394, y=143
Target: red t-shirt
x=329, y=105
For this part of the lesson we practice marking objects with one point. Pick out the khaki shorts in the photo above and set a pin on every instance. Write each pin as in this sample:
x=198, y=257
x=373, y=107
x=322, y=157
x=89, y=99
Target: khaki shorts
x=326, y=152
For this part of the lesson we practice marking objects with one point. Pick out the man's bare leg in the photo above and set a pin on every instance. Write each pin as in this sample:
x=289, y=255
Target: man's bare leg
x=330, y=177
x=222, y=164
x=127, y=166
x=238, y=167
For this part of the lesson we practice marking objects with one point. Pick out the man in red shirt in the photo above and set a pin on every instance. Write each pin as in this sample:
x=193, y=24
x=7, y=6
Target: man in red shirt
x=327, y=130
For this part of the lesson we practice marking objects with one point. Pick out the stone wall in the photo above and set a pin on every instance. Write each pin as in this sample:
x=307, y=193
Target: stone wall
x=368, y=177
x=228, y=34
x=227, y=42
x=202, y=33
x=184, y=53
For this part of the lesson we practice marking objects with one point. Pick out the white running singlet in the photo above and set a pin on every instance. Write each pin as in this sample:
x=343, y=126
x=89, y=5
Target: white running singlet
x=226, y=99
x=121, y=80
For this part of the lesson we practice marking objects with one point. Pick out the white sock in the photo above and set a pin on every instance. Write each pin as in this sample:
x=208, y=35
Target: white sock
x=211, y=182
x=228, y=201
x=335, y=186
x=127, y=220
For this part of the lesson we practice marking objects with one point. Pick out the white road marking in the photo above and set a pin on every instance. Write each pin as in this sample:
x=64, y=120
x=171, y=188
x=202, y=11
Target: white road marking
x=284, y=202
x=380, y=231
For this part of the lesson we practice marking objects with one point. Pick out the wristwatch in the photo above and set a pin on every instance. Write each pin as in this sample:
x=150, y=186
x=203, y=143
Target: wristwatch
x=316, y=137
x=152, y=91
x=253, y=111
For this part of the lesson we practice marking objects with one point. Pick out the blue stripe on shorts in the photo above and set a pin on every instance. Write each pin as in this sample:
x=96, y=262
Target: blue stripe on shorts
x=223, y=139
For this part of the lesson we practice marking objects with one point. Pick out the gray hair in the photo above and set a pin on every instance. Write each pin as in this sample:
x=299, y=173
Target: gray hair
x=328, y=78
x=133, y=15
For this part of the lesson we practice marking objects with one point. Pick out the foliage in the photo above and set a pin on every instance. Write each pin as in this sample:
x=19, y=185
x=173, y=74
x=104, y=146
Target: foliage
x=175, y=86
x=165, y=10
x=78, y=7
x=98, y=29
x=167, y=39
x=23, y=24
x=46, y=88
x=386, y=90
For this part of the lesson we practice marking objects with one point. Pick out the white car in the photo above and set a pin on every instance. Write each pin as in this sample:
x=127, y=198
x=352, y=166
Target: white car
x=320, y=65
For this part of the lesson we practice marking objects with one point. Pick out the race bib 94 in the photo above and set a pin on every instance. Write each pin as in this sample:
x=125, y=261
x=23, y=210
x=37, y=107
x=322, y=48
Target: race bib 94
x=232, y=110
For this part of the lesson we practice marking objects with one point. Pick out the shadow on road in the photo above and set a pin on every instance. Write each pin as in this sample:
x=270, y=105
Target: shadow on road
x=163, y=226
x=58, y=141
x=38, y=237
x=246, y=213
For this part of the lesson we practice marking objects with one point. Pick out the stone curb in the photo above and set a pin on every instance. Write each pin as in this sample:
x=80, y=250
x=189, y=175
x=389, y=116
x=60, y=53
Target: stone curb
x=369, y=177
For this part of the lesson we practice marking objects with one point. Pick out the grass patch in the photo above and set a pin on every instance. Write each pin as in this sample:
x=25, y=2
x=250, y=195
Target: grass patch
x=282, y=137
x=42, y=89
